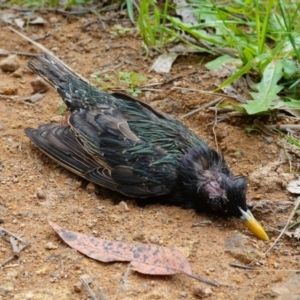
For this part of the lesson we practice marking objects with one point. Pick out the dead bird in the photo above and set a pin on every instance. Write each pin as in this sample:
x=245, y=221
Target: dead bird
x=123, y=144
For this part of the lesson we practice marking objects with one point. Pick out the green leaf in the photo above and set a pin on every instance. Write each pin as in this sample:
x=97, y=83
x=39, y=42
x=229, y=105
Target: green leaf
x=220, y=61
x=265, y=99
x=290, y=68
x=291, y=104
x=61, y=110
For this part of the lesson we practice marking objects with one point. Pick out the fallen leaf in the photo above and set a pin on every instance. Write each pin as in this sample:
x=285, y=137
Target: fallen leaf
x=19, y=22
x=164, y=62
x=8, y=17
x=34, y=98
x=186, y=12
x=294, y=187
x=38, y=21
x=144, y=258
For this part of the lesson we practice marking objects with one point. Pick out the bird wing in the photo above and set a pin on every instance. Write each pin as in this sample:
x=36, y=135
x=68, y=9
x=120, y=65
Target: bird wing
x=59, y=142
x=100, y=146
x=141, y=169
x=156, y=127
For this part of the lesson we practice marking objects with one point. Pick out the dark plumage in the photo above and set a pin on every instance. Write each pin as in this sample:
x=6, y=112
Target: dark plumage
x=123, y=144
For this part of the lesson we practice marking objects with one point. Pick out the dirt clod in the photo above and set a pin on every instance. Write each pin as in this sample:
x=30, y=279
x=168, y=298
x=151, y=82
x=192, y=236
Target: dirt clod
x=9, y=64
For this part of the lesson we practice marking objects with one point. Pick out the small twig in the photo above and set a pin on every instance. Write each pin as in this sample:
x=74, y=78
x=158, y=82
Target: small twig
x=289, y=147
x=229, y=113
x=5, y=231
x=101, y=293
x=119, y=89
x=169, y=80
x=16, y=251
x=286, y=225
x=103, y=25
x=88, y=288
x=241, y=266
x=268, y=129
x=55, y=182
x=13, y=98
x=213, y=102
x=7, y=52
x=202, y=279
x=273, y=228
x=275, y=270
x=11, y=266
x=224, y=110
x=262, y=127
x=286, y=154
x=149, y=89
x=214, y=131
x=14, y=246
x=263, y=270
x=201, y=224
x=124, y=280
x=7, y=261
x=204, y=92
x=85, y=26
x=44, y=49
x=284, y=126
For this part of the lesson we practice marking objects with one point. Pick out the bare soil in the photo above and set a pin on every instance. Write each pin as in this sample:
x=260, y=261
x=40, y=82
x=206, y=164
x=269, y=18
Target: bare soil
x=34, y=189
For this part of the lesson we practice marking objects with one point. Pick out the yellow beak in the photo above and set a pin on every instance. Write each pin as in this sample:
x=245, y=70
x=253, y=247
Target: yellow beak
x=248, y=219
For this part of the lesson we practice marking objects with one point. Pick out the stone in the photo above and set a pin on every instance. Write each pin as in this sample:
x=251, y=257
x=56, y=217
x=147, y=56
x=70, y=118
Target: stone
x=9, y=64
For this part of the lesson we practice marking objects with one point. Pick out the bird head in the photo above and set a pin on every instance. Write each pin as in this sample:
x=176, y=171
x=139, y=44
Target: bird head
x=210, y=185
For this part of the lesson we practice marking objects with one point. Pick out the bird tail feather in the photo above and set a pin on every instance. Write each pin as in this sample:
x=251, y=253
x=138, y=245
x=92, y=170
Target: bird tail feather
x=53, y=71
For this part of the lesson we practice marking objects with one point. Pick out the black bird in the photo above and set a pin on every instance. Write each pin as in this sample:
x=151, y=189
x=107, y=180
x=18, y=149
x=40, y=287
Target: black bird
x=123, y=144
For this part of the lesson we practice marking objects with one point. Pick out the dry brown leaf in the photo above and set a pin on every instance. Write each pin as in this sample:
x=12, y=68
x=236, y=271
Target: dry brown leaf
x=144, y=258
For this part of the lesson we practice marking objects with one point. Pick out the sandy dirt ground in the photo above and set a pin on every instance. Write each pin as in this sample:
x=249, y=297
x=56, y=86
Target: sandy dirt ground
x=34, y=189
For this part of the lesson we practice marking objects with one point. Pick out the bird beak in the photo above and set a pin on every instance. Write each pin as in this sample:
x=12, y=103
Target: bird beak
x=248, y=219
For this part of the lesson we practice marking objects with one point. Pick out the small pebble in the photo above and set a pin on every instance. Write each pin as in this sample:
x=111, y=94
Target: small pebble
x=39, y=85
x=202, y=292
x=53, y=20
x=139, y=237
x=40, y=194
x=9, y=90
x=124, y=205
x=95, y=232
x=35, y=98
x=9, y=64
x=42, y=271
x=90, y=224
x=286, y=252
x=18, y=73
x=77, y=287
x=50, y=246
x=90, y=188
x=183, y=294
x=155, y=240
x=268, y=139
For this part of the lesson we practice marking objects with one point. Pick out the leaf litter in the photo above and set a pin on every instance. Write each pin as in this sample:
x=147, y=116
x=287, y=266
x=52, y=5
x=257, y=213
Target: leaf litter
x=144, y=258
